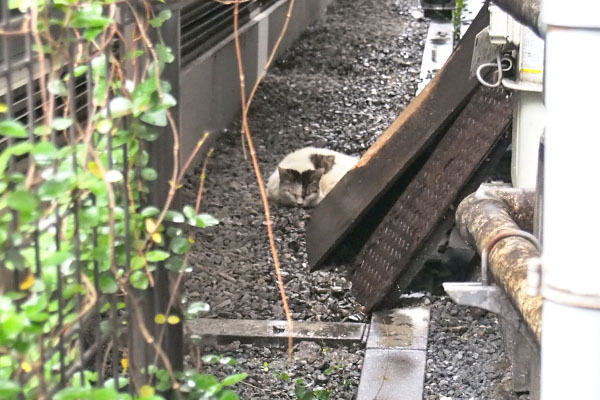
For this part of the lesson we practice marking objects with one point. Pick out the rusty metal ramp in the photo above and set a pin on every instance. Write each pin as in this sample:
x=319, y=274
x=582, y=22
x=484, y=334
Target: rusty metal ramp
x=394, y=154
x=387, y=206
x=427, y=196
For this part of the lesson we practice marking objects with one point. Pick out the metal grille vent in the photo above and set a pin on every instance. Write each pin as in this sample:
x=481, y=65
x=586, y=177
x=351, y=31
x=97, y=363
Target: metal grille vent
x=206, y=22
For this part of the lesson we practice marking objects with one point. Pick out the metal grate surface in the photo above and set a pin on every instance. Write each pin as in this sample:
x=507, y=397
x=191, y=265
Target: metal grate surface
x=420, y=206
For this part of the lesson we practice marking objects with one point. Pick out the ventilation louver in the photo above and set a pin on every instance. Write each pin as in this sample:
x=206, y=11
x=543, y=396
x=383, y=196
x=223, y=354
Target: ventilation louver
x=205, y=22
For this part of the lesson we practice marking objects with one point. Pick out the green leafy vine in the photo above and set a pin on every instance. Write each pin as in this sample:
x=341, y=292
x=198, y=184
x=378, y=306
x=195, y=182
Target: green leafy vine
x=77, y=231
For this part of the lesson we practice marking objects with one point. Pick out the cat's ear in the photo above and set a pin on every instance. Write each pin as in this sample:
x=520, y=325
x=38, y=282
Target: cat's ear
x=322, y=161
x=288, y=174
x=312, y=175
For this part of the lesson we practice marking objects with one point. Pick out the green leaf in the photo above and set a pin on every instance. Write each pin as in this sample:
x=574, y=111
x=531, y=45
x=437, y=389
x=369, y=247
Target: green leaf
x=210, y=359
x=156, y=117
x=168, y=101
x=137, y=262
x=179, y=245
x=160, y=18
x=22, y=201
x=12, y=129
x=9, y=389
x=149, y=174
x=18, y=149
x=149, y=135
x=233, y=379
x=139, y=280
x=56, y=258
x=164, y=53
x=156, y=255
x=90, y=217
x=228, y=395
x=91, y=33
x=42, y=130
x=80, y=70
x=53, y=188
x=45, y=148
x=174, y=216
x=104, y=126
x=174, y=263
x=205, y=381
x=204, y=220
x=84, y=19
x=119, y=107
x=228, y=361
x=189, y=212
x=13, y=325
x=173, y=231
x=108, y=283
x=149, y=211
x=113, y=176
x=57, y=87
x=197, y=308
x=60, y=124
x=110, y=383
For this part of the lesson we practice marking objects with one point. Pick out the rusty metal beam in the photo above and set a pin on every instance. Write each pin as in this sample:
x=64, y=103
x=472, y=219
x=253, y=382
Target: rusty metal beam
x=485, y=214
x=395, y=151
x=429, y=193
x=225, y=331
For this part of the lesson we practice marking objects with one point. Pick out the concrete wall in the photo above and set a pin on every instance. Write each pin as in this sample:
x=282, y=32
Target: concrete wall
x=209, y=86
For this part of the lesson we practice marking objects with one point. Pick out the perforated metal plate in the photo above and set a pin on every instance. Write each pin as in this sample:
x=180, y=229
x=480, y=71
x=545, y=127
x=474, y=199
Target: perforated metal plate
x=425, y=199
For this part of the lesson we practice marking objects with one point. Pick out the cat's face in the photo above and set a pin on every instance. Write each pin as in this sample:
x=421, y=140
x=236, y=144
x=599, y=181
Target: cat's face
x=299, y=189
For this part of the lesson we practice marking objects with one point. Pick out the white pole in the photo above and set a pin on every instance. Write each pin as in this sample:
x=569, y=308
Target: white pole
x=571, y=287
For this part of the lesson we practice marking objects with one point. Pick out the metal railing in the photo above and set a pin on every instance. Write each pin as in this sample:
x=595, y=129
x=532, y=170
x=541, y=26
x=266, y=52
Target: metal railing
x=82, y=336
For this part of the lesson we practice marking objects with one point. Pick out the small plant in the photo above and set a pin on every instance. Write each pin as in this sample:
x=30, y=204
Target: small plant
x=456, y=19
x=304, y=393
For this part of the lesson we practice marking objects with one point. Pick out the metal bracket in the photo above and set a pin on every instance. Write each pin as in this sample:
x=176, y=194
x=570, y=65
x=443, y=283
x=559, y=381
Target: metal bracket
x=484, y=50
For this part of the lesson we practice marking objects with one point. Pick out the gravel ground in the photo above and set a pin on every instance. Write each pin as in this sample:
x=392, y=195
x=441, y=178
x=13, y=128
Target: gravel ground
x=465, y=355
x=271, y=376
x=340, y=86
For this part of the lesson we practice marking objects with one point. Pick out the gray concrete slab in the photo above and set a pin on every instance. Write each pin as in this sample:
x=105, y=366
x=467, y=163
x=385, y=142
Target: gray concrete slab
x=220, y=331
x=394, y=365
x=391, y=374
x=405, y=328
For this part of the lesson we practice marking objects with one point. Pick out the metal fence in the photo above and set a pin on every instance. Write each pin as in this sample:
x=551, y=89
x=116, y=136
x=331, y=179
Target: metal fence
x=83, y=339
x=90, y=331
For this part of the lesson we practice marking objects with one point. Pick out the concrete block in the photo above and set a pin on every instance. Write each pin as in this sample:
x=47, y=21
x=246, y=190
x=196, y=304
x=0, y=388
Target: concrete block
x=392, y=375
x=405, y=328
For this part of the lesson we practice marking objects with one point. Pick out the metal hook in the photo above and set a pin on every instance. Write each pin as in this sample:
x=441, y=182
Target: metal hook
x=499, y=67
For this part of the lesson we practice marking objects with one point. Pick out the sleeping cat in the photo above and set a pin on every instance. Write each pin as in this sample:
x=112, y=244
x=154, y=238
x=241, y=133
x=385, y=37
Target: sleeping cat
x=303, y=178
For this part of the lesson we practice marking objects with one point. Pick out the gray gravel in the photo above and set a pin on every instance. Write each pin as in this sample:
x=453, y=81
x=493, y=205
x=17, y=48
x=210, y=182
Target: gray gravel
x=271, y=376
x=340, y=86
x=465, y=355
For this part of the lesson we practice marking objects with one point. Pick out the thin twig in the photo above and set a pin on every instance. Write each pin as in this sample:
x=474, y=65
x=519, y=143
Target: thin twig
x=261, y=185
x=202, y=179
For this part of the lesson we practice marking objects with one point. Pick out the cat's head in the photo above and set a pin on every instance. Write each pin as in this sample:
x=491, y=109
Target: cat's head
x=300, y=189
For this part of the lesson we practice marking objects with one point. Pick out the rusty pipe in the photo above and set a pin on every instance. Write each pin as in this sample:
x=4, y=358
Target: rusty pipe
x=487, y=214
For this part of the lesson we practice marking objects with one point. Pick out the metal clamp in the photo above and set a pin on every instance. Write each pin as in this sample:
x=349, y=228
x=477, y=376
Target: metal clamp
x=503, y=235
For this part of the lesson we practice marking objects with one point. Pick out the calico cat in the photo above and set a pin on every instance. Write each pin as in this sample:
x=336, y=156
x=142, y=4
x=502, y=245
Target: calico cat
x=303, y=178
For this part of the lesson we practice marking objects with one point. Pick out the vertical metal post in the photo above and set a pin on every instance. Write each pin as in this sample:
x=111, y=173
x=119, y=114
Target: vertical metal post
x=571, y=289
